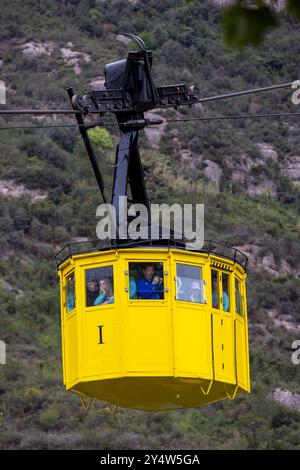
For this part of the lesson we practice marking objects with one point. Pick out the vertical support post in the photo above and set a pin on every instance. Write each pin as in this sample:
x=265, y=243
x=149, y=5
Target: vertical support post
x=89, y=149
x=129, y=170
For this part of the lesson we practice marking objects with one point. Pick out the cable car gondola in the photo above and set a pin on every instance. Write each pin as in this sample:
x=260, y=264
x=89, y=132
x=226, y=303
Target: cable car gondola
x=185, y=342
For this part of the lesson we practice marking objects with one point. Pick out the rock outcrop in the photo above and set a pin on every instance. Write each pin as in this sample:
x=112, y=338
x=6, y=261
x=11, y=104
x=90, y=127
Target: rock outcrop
x=287, y=398
x=290, y=168
x=73, y=58
x=37, y=49
x=13, y=189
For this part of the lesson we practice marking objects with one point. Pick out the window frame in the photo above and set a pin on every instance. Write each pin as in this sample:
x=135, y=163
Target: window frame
x=65, y=290
x=147, y=261
x=220, y=273
x=242, y=297
x=216, y=270
x=227, y=273
x=87, y=268
x=202, y=280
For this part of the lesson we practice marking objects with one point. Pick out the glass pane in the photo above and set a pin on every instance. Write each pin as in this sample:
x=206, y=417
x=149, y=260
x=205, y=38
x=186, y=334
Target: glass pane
x=238, y=298
x=146, y=281
x=70, y=292
x=225, y=292
x=215, y=289
x=99, y=286
x=189, y=283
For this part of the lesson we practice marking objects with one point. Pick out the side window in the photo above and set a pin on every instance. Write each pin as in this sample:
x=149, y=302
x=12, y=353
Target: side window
x=215, y=289
x=70, y=292
x=189, y=284
x=146, y=281
x=238, y=298
x=225, y=292
x=99, y=284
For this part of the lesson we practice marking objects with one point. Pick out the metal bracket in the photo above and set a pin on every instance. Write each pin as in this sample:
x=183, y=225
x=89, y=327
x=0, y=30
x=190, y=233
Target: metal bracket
x=206, y=392
x=231, y=397
x=121, y=101
x=113, y=409
x=85, y=405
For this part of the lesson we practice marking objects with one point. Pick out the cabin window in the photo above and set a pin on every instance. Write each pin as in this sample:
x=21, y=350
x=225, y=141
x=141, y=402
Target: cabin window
x=70, y=292
x=215, y=289
x=239, y=301
x=99, y=286
x=225, y=292
x=190, y=286
x=146, y=281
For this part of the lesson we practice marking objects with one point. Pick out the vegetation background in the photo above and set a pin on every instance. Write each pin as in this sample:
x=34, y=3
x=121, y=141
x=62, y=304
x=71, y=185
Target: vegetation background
x=246, y=172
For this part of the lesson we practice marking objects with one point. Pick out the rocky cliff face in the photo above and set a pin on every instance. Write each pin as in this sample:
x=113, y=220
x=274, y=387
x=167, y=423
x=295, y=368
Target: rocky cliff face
x=278, y=4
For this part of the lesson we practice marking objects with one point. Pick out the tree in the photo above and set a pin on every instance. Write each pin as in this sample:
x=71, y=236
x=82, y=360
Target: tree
x=245, y=23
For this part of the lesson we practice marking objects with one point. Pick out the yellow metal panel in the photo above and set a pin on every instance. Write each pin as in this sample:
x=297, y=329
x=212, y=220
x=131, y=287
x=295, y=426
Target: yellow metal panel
x=147, y=339
x=192, y=342
x=228, y=349
x=241, y=354
x=96, y=257
x=223, y=346
x=191, y=327
x=71, y=346
x=62, y=320
x=246, y=333
x=100, y=326
x=70, y=331
x=101, y=340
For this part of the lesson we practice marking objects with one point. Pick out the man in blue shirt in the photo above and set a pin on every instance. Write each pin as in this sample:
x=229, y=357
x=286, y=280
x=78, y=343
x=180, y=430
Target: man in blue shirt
x=150, y=286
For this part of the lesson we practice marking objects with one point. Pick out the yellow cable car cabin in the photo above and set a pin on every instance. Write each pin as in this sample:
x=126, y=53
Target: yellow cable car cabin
x=148, y=324
x=185, y=345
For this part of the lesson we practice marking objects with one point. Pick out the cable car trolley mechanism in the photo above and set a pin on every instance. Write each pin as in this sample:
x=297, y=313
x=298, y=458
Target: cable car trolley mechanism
x=148, y=324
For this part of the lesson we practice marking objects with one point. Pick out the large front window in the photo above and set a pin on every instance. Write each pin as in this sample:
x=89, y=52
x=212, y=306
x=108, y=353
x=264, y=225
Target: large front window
x=146, y=281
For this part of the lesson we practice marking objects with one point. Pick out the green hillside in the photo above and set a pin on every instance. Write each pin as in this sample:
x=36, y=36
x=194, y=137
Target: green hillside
x=244, y=171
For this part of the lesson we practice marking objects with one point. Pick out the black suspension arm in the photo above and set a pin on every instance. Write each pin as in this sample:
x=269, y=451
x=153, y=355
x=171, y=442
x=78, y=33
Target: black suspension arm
x=89, y=149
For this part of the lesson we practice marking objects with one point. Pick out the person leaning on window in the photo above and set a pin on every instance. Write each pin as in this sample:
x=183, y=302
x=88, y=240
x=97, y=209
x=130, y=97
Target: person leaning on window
x=150, y=286
x=106, y=294
x=92, y=292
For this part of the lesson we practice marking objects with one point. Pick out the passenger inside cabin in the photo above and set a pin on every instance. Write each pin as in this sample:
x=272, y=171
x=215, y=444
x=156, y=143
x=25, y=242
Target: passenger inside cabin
x=132, y=288
x=106, y=293
x=92, y=292
x=215, y=295
x=70, y=301
x=150, y=286
x=196, y=292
